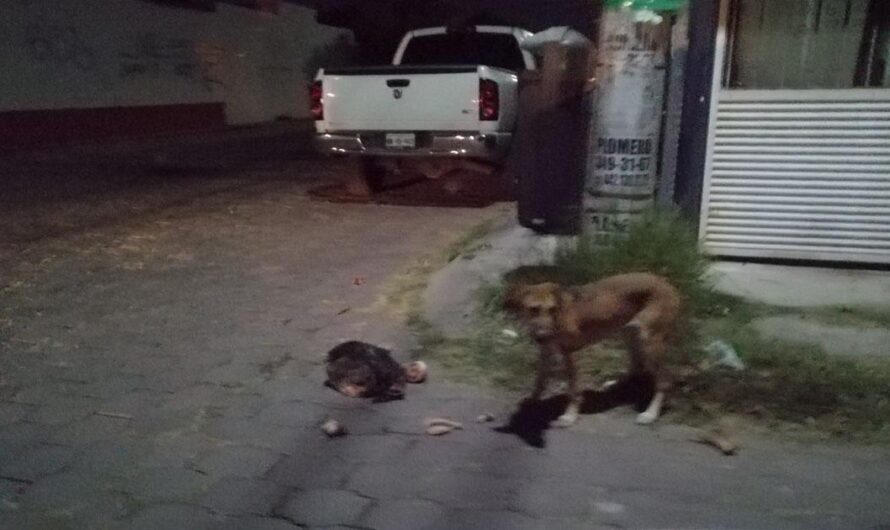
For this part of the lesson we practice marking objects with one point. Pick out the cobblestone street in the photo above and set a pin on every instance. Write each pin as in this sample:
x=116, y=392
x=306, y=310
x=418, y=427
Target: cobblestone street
x=161, y=349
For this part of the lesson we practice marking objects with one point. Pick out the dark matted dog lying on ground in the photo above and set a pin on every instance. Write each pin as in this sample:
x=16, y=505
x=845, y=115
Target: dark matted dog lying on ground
x=643, y=308
x=359, y=369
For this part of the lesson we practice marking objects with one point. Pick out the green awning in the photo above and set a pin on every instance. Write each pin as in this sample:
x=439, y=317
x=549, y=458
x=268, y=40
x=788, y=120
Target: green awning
x=652, y=5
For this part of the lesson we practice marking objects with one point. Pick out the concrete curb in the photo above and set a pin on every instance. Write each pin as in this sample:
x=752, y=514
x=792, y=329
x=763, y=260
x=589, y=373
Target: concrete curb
x=791, y=286
x=449, y=299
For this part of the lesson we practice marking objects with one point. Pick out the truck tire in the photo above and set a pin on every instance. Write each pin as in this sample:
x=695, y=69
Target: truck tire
x=374, y=173
x=366, y=178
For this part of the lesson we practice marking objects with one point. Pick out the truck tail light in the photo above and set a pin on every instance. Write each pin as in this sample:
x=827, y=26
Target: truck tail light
x=489, y=100
x=316, y=101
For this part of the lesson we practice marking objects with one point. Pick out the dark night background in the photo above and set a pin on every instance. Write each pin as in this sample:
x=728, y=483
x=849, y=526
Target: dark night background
x=379, y=24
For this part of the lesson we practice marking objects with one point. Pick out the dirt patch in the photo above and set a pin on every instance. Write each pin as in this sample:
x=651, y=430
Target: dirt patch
x=458, y=189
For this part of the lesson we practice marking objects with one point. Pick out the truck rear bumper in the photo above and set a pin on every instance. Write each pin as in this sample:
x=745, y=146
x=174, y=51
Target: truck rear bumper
x=488, y=146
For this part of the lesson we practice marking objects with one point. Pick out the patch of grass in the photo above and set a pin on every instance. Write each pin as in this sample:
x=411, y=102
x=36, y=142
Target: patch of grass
x=405, y=294
x=408, y=287
x=468, y=242
x=661, y=241
x=850, y=316
x=786, y=387
x=487, y=356
x=790, y=383
x=743, y=311
x=496, y=352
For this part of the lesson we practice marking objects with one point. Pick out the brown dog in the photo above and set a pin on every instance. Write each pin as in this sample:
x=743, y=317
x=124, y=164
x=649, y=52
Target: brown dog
x=644, y=308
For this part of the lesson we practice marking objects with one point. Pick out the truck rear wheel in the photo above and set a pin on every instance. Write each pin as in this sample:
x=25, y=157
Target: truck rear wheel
x=367, y=178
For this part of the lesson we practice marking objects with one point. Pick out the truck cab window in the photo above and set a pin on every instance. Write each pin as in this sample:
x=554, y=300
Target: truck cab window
x=499, y=50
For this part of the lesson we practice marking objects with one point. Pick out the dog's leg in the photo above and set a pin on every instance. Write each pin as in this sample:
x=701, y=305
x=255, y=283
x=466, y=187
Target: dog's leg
x=635, y=337
x=652, y=412
x=570, y=416
x=662, y=384
x=542, y=375
x=652, y=349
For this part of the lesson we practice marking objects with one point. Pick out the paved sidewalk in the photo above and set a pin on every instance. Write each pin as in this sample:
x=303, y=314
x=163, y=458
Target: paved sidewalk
x=796, y=286
x=813, y=288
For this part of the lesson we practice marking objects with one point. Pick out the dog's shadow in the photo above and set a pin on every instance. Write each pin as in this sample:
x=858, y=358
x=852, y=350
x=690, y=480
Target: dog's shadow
x=533, y=417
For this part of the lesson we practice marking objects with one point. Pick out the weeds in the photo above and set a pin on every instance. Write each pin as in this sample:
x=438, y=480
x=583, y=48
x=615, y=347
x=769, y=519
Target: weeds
x=660, y=241
x=787, y=382
x=467, y=241
x=786, y=386
x=851, y=316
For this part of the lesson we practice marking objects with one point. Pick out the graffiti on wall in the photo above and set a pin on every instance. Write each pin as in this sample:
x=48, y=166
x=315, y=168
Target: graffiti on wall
x=60, y=46
x=156, y=56
x=277, y=59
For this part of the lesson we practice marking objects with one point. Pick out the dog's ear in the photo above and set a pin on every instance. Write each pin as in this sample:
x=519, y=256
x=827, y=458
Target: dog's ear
x=514, y=295
x=551, y=287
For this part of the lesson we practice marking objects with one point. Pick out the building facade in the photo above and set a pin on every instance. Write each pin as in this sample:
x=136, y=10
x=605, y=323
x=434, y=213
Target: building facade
x=114, y=68
x=794, y=151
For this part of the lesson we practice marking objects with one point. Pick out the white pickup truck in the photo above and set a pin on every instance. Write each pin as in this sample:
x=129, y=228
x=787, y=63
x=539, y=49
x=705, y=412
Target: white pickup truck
x=450, y=93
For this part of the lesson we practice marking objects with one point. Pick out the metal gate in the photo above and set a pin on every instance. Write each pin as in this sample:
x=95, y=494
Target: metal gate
x=797, y=174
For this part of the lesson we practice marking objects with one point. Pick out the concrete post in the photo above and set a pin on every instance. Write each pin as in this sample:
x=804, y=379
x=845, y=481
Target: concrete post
x=625, y=137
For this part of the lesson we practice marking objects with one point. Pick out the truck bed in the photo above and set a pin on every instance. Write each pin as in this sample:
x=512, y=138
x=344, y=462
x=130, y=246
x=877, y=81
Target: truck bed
x=404, y=98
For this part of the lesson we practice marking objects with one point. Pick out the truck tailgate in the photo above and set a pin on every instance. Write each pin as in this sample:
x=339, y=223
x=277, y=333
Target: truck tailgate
x=405, y=98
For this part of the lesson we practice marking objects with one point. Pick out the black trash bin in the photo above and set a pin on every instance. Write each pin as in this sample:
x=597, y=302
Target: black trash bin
x=550, y=149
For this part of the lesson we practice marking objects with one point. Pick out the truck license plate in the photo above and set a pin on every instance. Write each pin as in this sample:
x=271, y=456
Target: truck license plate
x=400, y=141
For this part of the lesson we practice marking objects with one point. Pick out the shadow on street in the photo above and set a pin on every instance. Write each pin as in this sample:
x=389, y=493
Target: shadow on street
x=533, y=417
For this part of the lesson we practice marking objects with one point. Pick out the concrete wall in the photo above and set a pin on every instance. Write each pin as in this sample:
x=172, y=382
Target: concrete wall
x=84, y=54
